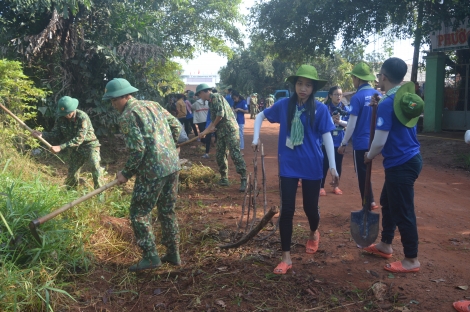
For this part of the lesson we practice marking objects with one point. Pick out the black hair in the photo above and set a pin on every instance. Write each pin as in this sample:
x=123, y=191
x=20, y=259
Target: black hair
x=179, y=96
x=330, y=92
x=214, y=90
x=310, y=106
x=229, y=90
x=236, y=93
x=395, y=69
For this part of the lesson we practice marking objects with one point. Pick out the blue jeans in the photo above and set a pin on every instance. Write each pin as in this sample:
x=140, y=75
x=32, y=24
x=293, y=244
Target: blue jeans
x=398, y=209
x=242, y=140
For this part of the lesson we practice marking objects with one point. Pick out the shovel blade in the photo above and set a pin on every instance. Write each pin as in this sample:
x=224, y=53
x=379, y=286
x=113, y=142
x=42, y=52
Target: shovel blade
x=364, y=227
x=33, y=227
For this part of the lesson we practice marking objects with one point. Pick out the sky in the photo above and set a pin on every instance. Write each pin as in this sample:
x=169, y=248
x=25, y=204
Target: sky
x=209, y=63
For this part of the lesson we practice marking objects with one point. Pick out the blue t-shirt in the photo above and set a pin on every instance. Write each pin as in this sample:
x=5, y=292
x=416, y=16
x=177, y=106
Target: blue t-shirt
x=304, y=161
x=241, y=115
x=402, y=143
x=338, y=133
x=359, y=107
x=229, y=99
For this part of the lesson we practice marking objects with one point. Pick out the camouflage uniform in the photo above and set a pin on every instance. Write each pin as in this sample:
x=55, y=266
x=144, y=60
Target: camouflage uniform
x=253, y=107
x=151, y=133
x=227, y=136
x=82, y=144
x=269, y=102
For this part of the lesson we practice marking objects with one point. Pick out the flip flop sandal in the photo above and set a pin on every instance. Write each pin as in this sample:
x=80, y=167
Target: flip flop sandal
x=337, y=191
x=373, y=250
x=282, y=268
x=397, y=267
x=374, y=206
x=462, y=305
x=312, y=245
x=322, y=192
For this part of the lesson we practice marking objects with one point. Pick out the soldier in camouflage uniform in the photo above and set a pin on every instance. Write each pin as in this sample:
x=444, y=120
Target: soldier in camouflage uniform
x=73, y=131
x=151, y=133
x=269, y=101
x=254, y=106
x=228, y=138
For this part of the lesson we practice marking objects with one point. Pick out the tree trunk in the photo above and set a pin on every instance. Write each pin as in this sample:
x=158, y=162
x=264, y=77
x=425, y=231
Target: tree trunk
x=417, y=43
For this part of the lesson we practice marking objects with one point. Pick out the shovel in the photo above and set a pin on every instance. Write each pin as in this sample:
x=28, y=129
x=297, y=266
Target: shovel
x=25, y=126
x=365, y=223
x=34, y=225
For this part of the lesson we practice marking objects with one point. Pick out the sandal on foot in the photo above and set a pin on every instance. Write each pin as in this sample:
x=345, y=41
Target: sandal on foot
x=282, y=268
x=397, y=267
x=312, y=245
x=373, y=250
x=374, y=206
x=462, y=305
x=337, y=191
x=322, y=192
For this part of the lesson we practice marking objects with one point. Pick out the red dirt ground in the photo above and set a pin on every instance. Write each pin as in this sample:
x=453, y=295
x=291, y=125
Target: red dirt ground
x=338, y=277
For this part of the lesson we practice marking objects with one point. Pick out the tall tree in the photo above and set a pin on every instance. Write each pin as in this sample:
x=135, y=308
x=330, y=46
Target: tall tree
x=74, y=46
x=298, y=28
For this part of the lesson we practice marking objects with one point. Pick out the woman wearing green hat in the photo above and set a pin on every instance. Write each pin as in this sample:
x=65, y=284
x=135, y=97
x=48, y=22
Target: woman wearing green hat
x=395, y=137
x=359, y=123
x=304, y=123
x=74, y=131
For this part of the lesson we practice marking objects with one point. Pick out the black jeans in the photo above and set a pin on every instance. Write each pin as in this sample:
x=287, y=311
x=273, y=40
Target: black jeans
x=398, y=210
x=310, y=192
x=360, y=168
x=326, y=164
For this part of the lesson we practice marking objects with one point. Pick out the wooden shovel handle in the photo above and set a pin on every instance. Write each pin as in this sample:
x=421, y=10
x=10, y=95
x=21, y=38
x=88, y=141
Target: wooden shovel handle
x=367, y=200
x=25, y=126
x=51, y=215
x=187, y=142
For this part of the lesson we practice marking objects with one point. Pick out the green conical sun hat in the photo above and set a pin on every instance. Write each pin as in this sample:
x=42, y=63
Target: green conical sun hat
x=202, y=87
x=362, y=71
x=407, y=105
x=66, y=105
x=118, y=87
x=310, y=72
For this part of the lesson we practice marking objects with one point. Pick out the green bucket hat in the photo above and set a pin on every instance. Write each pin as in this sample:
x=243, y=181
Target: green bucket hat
x=66, y=105
x=310, y=72
x=202, y=87
x=190, y=94
x=407, y=105
x=118, y=87
x=362, y=71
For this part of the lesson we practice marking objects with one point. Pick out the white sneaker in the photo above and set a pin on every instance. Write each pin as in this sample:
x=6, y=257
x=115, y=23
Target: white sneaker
x=205, y=156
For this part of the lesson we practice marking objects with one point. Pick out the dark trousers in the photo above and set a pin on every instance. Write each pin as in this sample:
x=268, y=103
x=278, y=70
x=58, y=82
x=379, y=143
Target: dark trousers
x=201, y=126
x=310, y=192
x=208, y=142
x=360, y=168
x=326, y=164
x=188, y=125
x=398, y=210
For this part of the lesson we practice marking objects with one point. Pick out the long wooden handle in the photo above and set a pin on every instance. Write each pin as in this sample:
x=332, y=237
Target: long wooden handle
x=367, y=198
x=25, y=125
x=51, y=215
x=187, y=142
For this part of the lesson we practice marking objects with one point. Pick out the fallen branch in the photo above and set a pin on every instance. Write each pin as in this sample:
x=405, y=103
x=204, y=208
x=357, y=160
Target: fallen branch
x=267, y=217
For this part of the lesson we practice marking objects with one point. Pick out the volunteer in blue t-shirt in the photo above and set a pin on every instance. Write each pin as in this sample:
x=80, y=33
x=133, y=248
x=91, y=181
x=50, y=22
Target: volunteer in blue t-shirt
x=240, y=108
x=340, y=114
x=359, y=123
x=395, y=137
x=228, y=96
x=304, y=123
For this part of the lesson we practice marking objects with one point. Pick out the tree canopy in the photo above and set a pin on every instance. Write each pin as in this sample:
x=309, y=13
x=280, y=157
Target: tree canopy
x=73, y=47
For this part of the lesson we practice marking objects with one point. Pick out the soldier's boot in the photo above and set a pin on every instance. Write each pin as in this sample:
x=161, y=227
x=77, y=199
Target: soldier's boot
x=150, y=260
x=243, y=185
x=172, y=258
x=223, y=181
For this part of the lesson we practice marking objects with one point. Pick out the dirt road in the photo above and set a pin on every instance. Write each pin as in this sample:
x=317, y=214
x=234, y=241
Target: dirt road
x=442, y=208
